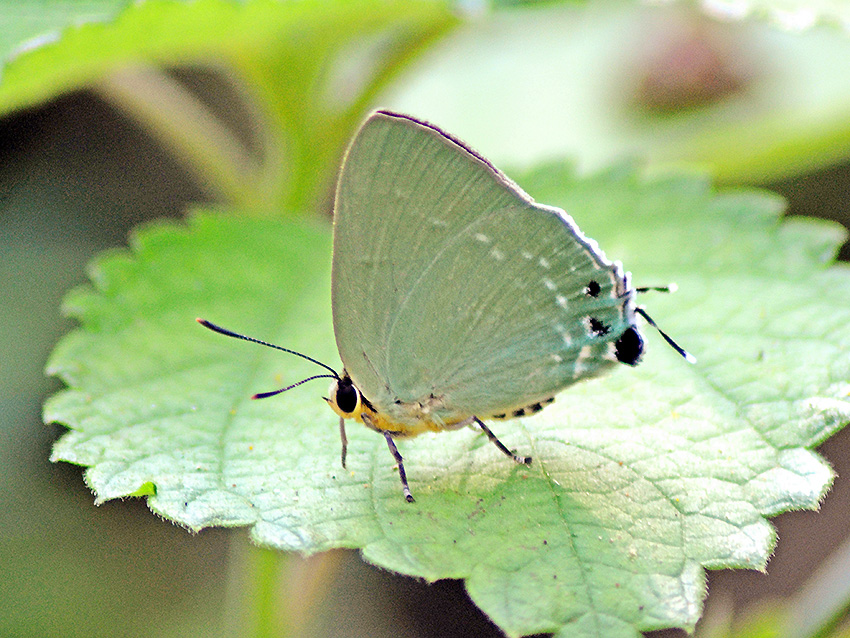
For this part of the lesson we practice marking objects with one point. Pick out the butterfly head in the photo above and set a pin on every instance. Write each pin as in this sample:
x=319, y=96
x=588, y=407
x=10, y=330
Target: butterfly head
x=344, y=398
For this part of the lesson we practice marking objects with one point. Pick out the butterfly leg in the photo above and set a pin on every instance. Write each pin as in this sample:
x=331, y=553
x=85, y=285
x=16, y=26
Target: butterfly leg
x=401, y=473
x=343, y=438
x=524, y=460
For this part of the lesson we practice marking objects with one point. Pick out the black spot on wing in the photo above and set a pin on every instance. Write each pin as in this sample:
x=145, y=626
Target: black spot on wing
x=629, y=347
x=598, y=328
x=525, y=411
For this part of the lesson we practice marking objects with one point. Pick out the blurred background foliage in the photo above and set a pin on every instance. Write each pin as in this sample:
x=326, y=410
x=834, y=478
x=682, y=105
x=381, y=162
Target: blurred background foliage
x=114, y=114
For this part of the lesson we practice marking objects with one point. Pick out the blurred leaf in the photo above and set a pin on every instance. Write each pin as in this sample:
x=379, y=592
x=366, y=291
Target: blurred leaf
x=793, y=15
x=28, y=24
x=640, y=479
x=767, y=620
x=305, y=70
x=749, y=102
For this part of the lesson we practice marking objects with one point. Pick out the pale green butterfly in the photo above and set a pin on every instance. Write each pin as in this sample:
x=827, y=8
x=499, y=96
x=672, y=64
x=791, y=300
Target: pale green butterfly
x=456, y=297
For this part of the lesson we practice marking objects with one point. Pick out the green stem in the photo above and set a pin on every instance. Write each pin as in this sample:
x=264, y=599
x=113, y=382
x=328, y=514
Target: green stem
x=272, y=594
x=183, y=123
x=822, y=602
x=270, y=620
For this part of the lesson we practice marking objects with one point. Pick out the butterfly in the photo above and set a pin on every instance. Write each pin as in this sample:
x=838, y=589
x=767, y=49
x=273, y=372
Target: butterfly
x=456, y=297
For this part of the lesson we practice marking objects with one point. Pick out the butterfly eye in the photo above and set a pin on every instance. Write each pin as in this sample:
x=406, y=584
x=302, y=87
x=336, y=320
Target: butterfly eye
x=347, y=396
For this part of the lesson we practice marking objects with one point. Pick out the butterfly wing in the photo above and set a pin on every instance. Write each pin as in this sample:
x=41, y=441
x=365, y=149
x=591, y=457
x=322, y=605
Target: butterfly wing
x=453, y=291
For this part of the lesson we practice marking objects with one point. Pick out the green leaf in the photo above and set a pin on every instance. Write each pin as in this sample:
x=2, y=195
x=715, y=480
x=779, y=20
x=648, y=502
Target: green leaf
x=792, y=15
x=302, y=72
x=746, y=100
x=639, y=481
x=30, y=23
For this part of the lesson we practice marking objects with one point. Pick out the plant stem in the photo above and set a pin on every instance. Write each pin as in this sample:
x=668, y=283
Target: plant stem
x=273, y=594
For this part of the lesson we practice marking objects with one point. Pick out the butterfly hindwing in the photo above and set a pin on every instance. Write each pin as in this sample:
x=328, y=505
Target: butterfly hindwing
x=452, y=288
